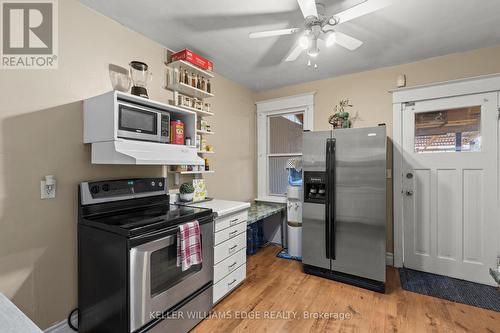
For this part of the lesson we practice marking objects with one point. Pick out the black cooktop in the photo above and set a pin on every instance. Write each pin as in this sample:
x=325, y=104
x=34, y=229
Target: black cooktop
x=132, y=207
x=141, y=220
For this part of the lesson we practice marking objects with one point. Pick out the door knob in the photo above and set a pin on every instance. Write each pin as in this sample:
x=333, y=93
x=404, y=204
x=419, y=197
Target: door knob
x=409, y=193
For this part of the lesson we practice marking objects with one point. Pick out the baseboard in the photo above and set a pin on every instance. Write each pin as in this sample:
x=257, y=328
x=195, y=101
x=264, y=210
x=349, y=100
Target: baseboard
x=62, y=326
x=389, y=259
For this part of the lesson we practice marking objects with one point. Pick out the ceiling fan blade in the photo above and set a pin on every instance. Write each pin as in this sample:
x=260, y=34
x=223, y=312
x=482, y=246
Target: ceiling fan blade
x=271, y=33
x=294, y=53
x=308, y=8
x=347, y=41
x=367, y=7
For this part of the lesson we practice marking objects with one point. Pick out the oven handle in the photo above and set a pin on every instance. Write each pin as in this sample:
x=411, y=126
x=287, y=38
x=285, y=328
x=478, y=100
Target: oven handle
x=158, y=244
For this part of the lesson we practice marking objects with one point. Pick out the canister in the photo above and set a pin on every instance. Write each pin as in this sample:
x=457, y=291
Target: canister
x=177, y=132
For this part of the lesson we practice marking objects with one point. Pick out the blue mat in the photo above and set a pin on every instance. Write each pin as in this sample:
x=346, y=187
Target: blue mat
x=284, y=255
x=451, y=289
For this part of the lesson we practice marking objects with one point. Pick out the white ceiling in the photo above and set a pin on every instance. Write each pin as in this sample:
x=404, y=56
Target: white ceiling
x=408, y=30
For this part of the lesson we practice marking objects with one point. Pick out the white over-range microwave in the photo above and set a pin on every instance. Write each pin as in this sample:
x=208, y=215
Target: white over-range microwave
x=139, y=122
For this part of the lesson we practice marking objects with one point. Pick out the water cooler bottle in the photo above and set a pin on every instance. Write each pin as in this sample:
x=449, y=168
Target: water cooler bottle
x=294, y=207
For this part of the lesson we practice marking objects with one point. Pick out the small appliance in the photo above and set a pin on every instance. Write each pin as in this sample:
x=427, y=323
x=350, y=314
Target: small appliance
x=139, y=122
x=140, y=78
x=344, y=210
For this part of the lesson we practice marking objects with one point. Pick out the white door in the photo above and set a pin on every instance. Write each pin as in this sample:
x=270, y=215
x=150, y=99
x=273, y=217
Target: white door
x=450, y=185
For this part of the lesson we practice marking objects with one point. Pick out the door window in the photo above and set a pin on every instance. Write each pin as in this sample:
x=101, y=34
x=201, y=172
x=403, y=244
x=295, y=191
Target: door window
x=453, y=130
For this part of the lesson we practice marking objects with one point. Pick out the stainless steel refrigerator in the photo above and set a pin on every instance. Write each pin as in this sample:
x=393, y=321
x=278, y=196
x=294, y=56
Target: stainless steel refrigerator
x=344, y=211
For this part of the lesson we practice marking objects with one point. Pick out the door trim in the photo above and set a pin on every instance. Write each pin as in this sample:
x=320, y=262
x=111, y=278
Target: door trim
x=400, y=98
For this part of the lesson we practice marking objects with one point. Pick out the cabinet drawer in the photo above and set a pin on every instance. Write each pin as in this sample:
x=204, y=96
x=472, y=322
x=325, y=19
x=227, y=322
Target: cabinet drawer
x=229, y=247
x=230, y=220
x=228, y=233
x=230, y=282
x=229, y=264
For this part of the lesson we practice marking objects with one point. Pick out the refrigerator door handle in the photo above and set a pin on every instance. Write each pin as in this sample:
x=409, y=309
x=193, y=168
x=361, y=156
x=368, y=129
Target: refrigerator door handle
x=327, y=201
x=331, y=197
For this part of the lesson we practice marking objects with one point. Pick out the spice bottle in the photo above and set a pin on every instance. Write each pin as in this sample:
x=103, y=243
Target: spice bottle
x=198, y=82
x=186, y=77
x=207, y=167
x=209, y=88
x=203, y=83
x=193, y=80
x=178, y=75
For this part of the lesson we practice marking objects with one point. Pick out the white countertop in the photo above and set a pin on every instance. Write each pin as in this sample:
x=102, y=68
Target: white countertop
x=223, y=207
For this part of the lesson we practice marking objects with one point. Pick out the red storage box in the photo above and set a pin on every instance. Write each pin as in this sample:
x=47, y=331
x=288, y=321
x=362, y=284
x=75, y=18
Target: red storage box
x=195, y=59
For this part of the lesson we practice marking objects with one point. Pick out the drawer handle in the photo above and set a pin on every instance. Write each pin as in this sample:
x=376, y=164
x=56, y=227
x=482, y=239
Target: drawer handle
x=233, y=248
x=233, y=233
x=231, y=283
x=231, y=267
x=232, y=222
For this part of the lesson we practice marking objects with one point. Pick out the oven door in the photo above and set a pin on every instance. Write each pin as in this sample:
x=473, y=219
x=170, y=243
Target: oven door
x=156, y=283
x=138, y=123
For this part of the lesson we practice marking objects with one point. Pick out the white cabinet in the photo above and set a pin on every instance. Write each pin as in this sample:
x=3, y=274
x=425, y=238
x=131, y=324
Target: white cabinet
x=101, y=115
x=230, y=243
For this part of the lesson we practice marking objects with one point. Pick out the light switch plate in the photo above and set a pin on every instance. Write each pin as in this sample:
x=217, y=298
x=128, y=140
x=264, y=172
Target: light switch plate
x=43, y=191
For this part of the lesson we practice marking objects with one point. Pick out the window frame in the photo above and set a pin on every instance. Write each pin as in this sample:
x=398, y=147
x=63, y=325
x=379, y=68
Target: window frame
x=303, y=103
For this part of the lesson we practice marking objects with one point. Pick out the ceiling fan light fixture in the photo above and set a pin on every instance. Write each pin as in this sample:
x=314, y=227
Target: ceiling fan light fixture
x=331, y=38
x=313, y=50
x=304, y=41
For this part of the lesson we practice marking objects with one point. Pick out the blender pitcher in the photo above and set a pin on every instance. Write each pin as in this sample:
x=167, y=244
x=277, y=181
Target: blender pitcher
x=140, y=78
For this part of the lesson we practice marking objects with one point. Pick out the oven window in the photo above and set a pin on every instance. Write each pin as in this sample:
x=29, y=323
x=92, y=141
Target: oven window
x=164, y=271
x=137, y=120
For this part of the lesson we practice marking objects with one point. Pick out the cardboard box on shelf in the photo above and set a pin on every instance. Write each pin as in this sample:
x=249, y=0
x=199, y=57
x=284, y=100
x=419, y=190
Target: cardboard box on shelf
x=195, y=59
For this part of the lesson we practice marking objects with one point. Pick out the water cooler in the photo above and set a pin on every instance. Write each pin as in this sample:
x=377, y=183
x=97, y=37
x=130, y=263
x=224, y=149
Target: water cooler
x=294, y=207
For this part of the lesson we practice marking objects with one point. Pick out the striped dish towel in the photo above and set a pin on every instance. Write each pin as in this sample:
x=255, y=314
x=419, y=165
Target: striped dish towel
x=189, y=245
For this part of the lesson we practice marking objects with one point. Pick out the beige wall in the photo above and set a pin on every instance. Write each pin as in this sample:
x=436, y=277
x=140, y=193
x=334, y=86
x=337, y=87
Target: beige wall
x=41, y=134
x=368, y=92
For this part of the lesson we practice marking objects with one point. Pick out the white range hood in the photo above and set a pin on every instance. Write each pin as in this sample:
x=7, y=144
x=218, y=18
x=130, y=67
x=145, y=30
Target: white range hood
x=143, y=153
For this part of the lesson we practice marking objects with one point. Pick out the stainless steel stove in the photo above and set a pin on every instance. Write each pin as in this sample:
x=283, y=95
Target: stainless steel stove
x=128, y=279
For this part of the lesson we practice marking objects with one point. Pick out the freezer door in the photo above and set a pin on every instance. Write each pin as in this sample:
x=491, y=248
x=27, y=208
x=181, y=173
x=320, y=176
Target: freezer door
x=313, y=211
x=360, y=209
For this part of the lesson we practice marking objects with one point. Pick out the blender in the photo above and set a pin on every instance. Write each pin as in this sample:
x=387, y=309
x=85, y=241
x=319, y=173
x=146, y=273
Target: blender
x=140, y=78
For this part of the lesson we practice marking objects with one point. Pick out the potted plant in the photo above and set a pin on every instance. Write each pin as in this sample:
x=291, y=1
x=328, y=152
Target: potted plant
x=186, y=192
x=340, y=118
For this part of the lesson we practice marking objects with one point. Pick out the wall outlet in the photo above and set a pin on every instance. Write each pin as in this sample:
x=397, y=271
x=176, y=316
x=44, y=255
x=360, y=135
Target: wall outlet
x=48, y=188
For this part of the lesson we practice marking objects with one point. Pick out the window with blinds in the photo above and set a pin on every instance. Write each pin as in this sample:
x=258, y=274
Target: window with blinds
x=284, y=142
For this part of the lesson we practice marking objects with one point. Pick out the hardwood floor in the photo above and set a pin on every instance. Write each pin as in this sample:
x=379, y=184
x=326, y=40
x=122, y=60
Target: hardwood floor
x=275, y=286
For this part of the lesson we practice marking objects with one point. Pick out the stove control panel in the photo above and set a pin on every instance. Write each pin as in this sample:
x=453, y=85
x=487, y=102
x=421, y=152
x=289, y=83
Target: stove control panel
x=110, y=190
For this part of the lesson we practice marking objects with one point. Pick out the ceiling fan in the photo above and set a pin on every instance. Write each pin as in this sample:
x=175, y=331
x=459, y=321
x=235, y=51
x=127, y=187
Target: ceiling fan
x=321, y=27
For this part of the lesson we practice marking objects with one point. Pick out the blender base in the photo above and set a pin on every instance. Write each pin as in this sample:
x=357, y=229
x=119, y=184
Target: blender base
x=139, y=91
